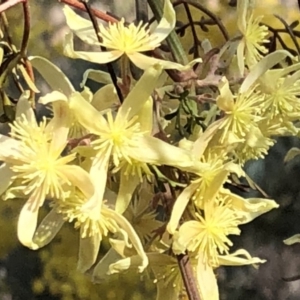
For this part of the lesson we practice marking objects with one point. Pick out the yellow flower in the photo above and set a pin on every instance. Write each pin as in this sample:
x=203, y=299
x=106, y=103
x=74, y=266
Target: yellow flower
x=121, y=39
x=208, y=234
x=126, y=139
x=94, y=225
x=33, y=154
x=281, y=93
x=240, y=112
x=253, y=35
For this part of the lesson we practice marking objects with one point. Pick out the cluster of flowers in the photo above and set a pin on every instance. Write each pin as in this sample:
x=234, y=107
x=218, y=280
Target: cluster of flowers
x=98, y=161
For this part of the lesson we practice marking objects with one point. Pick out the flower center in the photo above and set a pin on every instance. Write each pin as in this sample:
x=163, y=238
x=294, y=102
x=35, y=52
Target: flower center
x=124, y=38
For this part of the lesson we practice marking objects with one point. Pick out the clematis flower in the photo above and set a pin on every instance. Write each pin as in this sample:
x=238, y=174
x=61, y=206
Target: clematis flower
x=122, y=40
x=126, y=139
x=208, y=234
x=207, y=240
x=253, y=35
x=32, y=154
x=94, y=225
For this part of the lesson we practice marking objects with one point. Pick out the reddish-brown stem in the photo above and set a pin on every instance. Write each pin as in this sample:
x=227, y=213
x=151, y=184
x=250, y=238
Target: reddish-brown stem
x=99, y=14
x=26, y=31
x=10, y=3
x=188, y=277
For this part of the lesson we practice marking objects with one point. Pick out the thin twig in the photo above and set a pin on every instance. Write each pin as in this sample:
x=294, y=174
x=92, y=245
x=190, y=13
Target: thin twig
x=26, y=31
x=207, y=12
x=99, y=14
x=109, y=66
x=188, y=277
x=291, y=33
x=194, y=33
x=10, y=3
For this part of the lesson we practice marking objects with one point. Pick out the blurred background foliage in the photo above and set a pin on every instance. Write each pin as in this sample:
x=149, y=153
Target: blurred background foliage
x=50, y=273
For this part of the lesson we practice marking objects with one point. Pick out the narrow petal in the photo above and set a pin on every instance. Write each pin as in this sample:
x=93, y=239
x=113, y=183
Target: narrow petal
x=9, y=148
x=235, y=259
x=207, y=282
x=251, y=208
x=53, y=97
x=6, y=175
x=125, y=264
x=265, y=64
x=165, y=25
x=140, y=93
x=96, y=57
x=86, y=114
x=98, y=175
x=135, y=240
x=27, y=225
x=126, y=189
x=88, y=252
x=48, y=228
x=83, y=28
x=105, y=97
x=52, y=74
x=202, y=142
x=24, y=107
x=241, y=57
x=145, y=116
x=102, y=268
x=292, y=153
x=292, y=240
x=96, y=75
x=157, y=152
x=179, y=207
x=225, y=101
x=144, y=62
x=79, y=178
x=241, y=11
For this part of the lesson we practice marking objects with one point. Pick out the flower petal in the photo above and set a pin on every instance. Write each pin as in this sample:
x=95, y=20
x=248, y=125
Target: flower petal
x=6, y=175
x=157, y=152
x=145, y=116
x=96, y=57
x=105, y=97
x=207, y=281
x=86, y=114
x=96, y=75
x=83, y=28
x=179, y=207
x=48, y=228
x=265, y=64
x=135, y=240
x=27, y=225
x=292, y=240
x=24, y=107
x=126, y=189
x=79, y=178
x=52, y=74
x=88, y=252
x=165, y=25
x=233, y=259
x=251, y=208
x=143, y=62
x=102, y=268
x=140, y=93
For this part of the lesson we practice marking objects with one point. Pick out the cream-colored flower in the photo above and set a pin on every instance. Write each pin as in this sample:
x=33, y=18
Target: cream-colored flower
x=209, y=233
x=121, y=39
x=33, y=155
x=253, y=35
x=126, y=140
